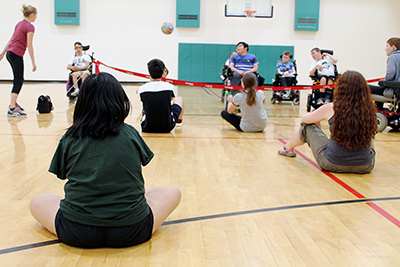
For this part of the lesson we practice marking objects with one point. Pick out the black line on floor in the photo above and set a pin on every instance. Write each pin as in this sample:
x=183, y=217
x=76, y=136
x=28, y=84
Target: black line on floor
x=230, y=214
x=217, y=216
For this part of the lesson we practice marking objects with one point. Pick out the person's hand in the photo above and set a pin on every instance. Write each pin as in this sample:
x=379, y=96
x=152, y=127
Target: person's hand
x=34, y=67
x=241, y=72
x=286, y=74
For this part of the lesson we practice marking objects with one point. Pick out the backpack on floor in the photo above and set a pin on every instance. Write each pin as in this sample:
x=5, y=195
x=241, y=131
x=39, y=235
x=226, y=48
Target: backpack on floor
x=44, y=104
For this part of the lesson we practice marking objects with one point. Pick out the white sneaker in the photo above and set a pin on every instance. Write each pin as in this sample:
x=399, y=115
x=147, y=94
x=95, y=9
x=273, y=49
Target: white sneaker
x=75, y=93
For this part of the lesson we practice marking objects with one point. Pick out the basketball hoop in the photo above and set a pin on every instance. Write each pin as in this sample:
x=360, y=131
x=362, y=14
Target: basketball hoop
x=250, y=13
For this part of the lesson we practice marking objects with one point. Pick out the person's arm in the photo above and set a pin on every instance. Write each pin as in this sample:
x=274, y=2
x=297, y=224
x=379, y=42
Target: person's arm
x=30, y=49
x=390, y=69
x=232, y=67
x=231, y=107
x=333, y=58
x=5, y=48
x=320, y=114
x=314, y=67
x=254, y=69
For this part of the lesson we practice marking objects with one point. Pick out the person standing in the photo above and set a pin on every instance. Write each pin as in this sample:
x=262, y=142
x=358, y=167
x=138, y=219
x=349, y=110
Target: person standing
x=14, y=50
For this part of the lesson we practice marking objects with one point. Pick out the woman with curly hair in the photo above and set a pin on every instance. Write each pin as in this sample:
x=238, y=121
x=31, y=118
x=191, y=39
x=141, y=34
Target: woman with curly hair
x=353, y=125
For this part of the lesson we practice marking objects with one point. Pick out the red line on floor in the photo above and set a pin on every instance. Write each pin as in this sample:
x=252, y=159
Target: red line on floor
x=349, y=188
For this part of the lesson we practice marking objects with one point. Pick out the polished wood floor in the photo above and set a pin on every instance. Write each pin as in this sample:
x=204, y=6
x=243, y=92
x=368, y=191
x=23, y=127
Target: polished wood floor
x=242, y=204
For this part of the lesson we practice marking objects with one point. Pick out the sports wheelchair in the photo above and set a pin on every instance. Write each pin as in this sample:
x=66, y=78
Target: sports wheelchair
x=315, y=94
x=286, y=95
x=70, y=84
x=389, y=116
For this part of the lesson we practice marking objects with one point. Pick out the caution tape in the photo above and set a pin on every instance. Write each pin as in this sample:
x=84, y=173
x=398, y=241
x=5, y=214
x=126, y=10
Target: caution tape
x=221, y=86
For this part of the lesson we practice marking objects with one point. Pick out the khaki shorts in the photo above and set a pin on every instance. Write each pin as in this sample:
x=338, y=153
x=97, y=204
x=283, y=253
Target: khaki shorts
x=81, y=72
x=316, y=139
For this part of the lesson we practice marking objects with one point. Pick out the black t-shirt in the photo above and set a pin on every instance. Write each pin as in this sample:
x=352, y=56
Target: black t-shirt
x=156, y=98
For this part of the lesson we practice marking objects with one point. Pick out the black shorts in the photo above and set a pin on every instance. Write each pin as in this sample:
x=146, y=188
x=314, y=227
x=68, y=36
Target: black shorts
x=327, y=77
x=86, y=236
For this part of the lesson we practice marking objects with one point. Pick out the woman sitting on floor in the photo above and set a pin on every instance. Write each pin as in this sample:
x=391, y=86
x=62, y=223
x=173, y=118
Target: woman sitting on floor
x=353, y=125
x=251, y=105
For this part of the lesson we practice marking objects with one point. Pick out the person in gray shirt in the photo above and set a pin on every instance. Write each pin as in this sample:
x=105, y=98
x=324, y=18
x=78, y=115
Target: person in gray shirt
x=251, y=105
x=392, y=69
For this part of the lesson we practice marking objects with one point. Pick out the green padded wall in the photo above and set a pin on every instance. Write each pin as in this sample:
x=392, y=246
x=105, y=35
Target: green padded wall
x=204, y=62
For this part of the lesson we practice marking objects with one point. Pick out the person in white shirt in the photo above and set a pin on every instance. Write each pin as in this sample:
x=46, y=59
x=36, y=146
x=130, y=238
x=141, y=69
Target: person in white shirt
x=324, y=63
x=79, y=65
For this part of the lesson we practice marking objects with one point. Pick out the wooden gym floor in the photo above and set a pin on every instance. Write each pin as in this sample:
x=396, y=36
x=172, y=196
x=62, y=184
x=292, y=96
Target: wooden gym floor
x=242, y=204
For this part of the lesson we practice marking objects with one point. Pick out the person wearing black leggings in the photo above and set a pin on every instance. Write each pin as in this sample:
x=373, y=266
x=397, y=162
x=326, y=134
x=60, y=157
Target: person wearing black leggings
x=14, y=50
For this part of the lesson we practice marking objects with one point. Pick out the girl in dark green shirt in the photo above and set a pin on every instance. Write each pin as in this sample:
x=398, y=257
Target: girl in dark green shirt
x=105, y=203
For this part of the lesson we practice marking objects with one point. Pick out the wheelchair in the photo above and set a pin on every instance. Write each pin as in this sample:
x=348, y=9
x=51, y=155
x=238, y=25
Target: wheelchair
x=389, y=116
x=314, y=95
x=70, y=84
x=225, y=76
x=286, y=95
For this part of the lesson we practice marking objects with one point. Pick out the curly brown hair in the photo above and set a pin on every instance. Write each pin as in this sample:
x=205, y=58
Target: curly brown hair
x=355, y=122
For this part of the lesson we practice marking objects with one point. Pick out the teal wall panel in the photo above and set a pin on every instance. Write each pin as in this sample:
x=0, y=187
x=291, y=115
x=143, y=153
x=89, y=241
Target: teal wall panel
x=204, y=62
x=306, y=15
x=66, y=12
x=188, y=13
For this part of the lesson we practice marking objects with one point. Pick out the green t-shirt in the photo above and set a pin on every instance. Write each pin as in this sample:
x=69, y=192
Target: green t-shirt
x=105, y=184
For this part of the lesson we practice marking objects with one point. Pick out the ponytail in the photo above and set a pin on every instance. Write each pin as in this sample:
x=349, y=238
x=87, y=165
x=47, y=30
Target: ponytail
x=249, y=81
x=27, y=10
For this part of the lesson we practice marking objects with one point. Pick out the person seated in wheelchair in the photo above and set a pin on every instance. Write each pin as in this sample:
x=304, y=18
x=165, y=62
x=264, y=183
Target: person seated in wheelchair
x=392, y=73
x=242, y=63
x=79, y=65
x=286, y=75
x=322, y=69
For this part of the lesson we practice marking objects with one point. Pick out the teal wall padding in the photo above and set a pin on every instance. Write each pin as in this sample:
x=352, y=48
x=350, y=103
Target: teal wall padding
x=66, y=12
x=306, y=15
x=204, y=62
x=188, y=13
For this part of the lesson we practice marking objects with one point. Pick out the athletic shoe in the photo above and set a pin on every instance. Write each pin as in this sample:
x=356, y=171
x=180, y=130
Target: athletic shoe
x=320, y=101
x=15, y=112
x=287, y=153
x=75, y=93
x=179, y=123
x=327, y=100
x=19, y=107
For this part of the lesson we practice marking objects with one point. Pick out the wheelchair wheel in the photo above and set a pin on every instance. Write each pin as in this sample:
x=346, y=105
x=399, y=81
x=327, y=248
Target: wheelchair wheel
x=382, y=121
x=296, y=101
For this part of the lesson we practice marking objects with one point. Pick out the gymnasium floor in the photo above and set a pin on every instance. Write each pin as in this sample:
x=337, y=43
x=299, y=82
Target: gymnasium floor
x=242, y=204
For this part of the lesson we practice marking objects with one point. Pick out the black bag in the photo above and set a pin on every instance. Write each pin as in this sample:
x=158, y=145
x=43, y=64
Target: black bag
x=44, y=104
x=260, y=80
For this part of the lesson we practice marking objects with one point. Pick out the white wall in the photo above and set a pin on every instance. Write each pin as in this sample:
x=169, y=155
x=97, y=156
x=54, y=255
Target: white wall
x=126, y=34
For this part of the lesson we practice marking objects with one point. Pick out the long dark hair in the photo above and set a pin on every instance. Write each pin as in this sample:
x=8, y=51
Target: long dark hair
x=355, y=122
x=101, y=108
x=249, y=81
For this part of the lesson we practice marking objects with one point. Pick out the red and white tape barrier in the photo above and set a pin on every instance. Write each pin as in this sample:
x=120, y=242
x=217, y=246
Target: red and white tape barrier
x=220, y=86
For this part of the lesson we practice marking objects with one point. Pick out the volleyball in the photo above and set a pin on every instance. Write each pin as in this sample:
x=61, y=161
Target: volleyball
x=167, y=28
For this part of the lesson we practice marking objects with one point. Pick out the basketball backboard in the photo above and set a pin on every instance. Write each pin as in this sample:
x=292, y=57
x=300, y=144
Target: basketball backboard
x=236, y=8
